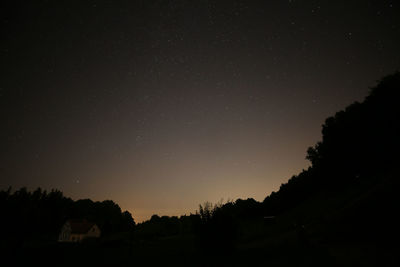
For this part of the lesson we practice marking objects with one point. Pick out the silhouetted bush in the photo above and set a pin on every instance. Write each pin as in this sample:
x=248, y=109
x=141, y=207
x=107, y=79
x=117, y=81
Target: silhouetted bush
x=167, y=226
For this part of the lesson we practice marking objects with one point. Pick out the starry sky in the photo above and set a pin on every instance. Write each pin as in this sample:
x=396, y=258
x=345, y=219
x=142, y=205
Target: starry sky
x=162, y=105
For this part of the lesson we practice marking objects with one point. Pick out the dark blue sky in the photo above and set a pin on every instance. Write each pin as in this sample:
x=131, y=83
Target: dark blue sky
x=162, y=105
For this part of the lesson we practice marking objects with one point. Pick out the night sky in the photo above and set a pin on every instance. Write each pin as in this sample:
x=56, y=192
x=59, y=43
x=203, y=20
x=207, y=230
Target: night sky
x=163, y=105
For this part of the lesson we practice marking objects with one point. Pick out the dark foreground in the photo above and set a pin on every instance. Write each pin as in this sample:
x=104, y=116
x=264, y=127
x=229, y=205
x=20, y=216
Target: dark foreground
x=292, y=248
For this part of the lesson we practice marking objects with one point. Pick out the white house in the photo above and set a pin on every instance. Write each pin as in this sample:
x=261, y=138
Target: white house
x=77, y=230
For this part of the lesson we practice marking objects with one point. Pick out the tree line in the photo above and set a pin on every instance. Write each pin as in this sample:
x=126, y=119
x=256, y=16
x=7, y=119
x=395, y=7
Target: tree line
x=38, y=216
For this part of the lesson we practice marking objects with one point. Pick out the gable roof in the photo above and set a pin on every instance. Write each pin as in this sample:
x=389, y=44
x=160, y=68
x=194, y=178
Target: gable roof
x=80, y=226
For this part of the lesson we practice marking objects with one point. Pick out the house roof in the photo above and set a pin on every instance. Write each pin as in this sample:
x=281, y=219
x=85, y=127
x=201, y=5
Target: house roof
x=80, y=226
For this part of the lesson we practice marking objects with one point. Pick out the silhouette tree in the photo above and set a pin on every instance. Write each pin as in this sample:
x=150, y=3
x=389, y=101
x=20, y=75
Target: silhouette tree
x=38, y=216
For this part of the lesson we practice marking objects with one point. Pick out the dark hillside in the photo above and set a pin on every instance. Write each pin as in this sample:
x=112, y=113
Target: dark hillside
x=360, y=145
